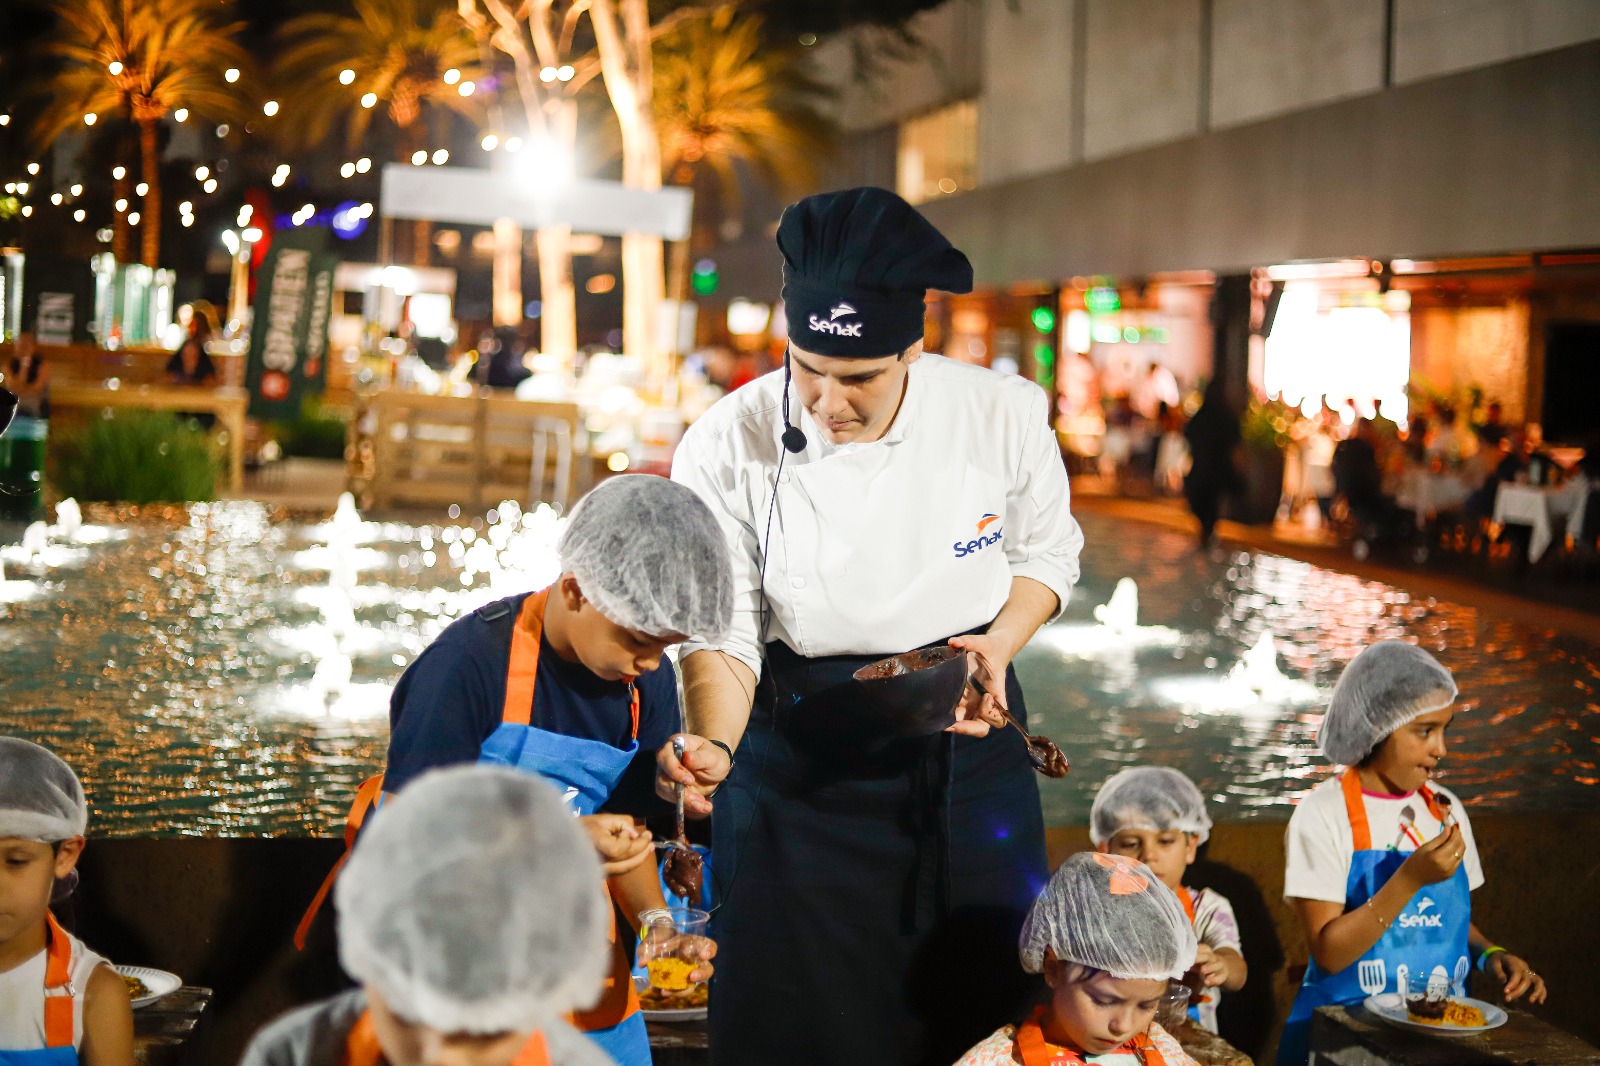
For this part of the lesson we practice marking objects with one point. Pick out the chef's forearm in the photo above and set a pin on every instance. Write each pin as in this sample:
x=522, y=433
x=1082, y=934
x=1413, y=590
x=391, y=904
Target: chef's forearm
x=1030, y=605
x=718, y=691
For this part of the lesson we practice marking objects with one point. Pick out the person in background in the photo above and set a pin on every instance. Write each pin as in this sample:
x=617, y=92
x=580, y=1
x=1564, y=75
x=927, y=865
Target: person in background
x=1493, y=430
x=1213, y=435
x=1172, y=452
x=190, y=365
x=1415, y=443
x=60, y=1003
x=1157, y=816
x=29, y=377
x=1448, y=446
x=474, y=917
x=504, y=369
x=1382, y=863
x=1108, y=936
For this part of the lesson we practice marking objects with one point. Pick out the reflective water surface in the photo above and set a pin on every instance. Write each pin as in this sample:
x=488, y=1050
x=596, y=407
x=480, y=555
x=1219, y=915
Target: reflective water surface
x=215, y=670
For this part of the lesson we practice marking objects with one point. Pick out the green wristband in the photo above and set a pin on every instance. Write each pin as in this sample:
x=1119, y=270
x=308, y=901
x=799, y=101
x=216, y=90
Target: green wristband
x=1483, y=960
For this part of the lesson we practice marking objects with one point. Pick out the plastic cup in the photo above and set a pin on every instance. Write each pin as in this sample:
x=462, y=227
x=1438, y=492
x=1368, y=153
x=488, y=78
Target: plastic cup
x=672, y=944
x=1427, y=995
x=1174, y=1008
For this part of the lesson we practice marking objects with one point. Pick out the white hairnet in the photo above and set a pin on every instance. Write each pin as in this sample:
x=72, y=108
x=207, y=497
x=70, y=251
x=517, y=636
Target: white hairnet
x=40, y=797
x=1148, y=797
x=473, y=903
x=649, y=554
x=1110, y=913
x=1385, y=686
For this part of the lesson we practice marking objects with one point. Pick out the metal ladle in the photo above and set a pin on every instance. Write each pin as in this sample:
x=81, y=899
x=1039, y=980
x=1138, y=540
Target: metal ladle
x=684, y=869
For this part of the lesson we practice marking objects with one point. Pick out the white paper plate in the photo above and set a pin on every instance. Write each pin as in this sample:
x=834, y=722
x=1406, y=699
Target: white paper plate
x=159, y=982
x=687, y=1014
x=1391, y=1008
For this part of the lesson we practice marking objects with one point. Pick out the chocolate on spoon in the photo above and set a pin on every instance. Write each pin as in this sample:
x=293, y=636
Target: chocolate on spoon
x=684, y=869
x=1045, y=755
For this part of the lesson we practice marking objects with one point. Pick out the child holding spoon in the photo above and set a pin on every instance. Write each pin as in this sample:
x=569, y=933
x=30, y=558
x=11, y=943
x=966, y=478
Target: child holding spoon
x=1374, y=915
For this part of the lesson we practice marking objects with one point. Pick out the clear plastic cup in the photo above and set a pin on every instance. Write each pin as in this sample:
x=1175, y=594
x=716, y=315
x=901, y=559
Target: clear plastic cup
x=672, y=945
x=1174, y=1008
x=1427, y=995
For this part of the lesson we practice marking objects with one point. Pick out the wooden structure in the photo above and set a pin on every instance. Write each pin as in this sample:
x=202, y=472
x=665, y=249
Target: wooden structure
x=84, y=364
x=162, y=1027
x=226, y=403
x=1352, y=1035
x=469, y=450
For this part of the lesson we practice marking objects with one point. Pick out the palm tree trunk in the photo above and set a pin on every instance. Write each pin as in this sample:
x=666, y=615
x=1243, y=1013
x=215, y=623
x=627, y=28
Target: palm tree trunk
x=150, y=217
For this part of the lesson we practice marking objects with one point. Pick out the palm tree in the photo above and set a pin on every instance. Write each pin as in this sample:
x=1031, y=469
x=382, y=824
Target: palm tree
x=141, y=59
x=400, y=51
x=729, y=100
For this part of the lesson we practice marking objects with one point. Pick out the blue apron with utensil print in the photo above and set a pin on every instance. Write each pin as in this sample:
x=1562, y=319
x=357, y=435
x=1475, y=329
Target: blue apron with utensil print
x=1429, y=936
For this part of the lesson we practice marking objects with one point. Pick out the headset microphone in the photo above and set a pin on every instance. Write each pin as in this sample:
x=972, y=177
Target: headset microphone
x=794, y=438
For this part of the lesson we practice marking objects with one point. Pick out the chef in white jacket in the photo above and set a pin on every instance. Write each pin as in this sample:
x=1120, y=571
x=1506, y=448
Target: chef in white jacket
x=877, y=499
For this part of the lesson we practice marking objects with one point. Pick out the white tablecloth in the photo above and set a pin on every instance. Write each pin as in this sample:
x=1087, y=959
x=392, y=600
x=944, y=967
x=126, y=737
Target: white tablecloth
x=1538, y=508
x=1426, y=493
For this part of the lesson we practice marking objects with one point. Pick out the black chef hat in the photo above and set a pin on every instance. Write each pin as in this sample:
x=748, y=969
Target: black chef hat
x=857, y=265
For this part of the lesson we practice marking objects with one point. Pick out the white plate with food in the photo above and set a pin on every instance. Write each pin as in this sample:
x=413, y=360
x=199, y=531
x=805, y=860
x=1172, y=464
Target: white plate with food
x=146, y=985
x=652, y=1003
x=1462, y=1016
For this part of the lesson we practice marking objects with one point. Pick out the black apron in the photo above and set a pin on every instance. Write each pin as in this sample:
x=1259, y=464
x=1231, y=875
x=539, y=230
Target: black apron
x=868, y=910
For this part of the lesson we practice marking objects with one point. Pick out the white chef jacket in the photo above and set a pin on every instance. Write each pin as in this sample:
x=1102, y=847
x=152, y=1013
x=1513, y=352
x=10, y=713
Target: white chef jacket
x=879, y=548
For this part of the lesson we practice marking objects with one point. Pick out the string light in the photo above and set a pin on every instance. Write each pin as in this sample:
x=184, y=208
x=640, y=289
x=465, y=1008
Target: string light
x=33, y=168
x=121, y=205
x=230, y=75
x=490, y=141
x=115, y=68
x=368, y=99
x=140, y=189
x=133, y=218
x=222, y=131
x=56, y=198
x=466, y=88
x=452, y=76
x=27, y=210
x=118, y=173
x=76, y=190
x=270, y=108
x=419, y=157
x=79, y=215
x=186, y=208
x=252, y=235
x=346, y=76
x=363, y=165
x=88, y=120
x=565, y=72
x=245, y=211
x=22, y=187
x=5, y=120
x=280, y=175
x=11, y=187
x=513, y=144
x=547, y=74
x=440, y=157
x=181, y=115
x=347, y=170
x=200, y=173
x=210, y=185
x=186, y=221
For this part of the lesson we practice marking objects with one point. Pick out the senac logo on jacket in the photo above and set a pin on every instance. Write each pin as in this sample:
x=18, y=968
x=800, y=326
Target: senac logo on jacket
x=984, y=539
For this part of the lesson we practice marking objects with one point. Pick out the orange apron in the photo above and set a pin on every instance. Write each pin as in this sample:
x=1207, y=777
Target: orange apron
x=1034, y=1050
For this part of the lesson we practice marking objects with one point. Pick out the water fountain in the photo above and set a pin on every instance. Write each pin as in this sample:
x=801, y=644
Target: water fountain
x=1116, y=633
x=1254, y=686
x=69, y=519
x=16, y=591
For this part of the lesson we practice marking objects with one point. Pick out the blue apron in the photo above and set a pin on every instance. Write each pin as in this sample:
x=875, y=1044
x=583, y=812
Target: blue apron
x=1429, y=936
x=58, y=1022
x=585, y=771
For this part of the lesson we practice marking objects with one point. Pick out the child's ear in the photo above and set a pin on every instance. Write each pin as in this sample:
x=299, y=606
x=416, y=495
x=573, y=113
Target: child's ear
x=571, y=594
x=67, y=856
x=1054, y=969
x=1194, y=848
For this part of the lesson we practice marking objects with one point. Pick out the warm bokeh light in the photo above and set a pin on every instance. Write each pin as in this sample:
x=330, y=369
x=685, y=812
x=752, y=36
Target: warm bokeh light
x=270, y=108
x=181, y=115
x=369, y=99
x=440, y=157
x=230, y=75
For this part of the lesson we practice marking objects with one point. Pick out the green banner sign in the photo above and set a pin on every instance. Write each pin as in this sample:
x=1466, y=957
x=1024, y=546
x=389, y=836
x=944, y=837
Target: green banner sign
x=289, y=335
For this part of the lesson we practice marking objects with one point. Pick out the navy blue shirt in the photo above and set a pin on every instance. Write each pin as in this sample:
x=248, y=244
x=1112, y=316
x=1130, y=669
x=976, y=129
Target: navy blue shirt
x=452, y=698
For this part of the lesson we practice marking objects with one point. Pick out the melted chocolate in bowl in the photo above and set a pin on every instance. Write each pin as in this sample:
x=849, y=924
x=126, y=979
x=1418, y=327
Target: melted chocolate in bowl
x=910, y=662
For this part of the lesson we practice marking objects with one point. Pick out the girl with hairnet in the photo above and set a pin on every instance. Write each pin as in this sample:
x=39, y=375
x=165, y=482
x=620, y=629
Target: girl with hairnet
x=1108, y=937
x=1381, y=863
x=569, y=684
x=1156, y=815
x=60, y=1003
x=471, y=914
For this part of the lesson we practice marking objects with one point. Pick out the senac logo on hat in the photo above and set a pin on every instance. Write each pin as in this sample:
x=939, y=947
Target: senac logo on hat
x=833, y=325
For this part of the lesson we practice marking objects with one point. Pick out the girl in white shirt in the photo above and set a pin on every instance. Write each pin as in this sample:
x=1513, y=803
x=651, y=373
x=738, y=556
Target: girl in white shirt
x=1381, y=863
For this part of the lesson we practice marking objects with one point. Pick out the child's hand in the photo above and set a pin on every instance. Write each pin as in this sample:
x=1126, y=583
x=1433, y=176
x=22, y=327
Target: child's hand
x=1209, y=967
x=622, y=846
x=1504, y=966
x=1436, y=860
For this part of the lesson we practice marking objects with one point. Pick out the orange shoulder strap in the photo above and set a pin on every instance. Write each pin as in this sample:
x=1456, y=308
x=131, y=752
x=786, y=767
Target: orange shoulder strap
x=1356, y=809
x=1186, y=897
x=367, y=797
x=57, y=979
x=361, y=1046
x=524, y=668
x=534, y=1053
x=620, y=1000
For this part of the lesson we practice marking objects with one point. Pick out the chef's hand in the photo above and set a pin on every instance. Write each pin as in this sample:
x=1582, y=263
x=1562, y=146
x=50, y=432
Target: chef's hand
x=702, y=769
x=622, y=845
x=1518, y=978
x=1436, y=860
x=986, y=664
